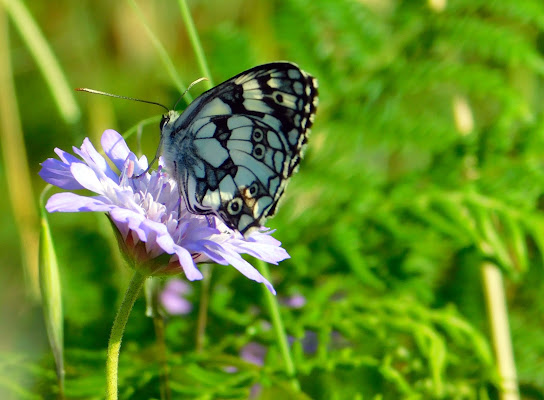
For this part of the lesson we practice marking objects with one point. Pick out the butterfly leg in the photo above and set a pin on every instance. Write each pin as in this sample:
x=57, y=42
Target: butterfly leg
x=180, y=191
x=211, y=221
x=157, y=155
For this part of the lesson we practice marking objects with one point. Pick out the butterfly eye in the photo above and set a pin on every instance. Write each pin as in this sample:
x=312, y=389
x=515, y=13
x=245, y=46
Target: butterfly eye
x=258, y=135
x=164, y=121
x=235, y=206
x=258, y=151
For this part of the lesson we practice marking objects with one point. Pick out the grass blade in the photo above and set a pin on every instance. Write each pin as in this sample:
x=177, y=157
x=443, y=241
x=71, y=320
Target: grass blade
x=39, y=48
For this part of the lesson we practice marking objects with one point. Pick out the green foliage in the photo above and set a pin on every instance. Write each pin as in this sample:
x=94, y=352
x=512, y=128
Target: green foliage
x=396, y=206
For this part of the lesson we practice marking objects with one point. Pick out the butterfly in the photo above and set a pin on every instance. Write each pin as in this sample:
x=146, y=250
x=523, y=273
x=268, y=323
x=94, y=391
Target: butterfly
x=233, y=150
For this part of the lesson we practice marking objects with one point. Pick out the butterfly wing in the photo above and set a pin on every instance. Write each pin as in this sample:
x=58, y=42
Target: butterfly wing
x=236, y=146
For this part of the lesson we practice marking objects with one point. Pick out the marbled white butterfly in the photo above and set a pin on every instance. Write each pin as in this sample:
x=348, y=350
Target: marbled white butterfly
x=235, y=147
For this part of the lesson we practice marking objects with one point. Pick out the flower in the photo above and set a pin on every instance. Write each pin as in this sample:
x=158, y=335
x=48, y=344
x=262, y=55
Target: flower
x=172, y=297
x=295, y=301
x=309, y=341
x=254, y=353
x=154, y=229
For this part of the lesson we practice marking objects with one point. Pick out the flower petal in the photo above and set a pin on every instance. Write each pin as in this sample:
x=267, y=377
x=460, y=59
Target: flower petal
x=243, y=266
x=86, y=176
x=131, y=219
x=188, y=264
x=71, y=202
x=66, y=158
x=261, y=246
x=95, y=161
x=184, y=257
x=58, y=173
x=115, y=147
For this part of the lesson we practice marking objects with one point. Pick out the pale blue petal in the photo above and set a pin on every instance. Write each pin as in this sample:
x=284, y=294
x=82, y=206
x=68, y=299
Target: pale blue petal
x=185, y=259
x=261, y=246
x=67, y=158
x=244, y=267
x=57, y=173
x=115, y=147
x=93, y=158
x=87, y=178
x=70, y=202
x=188, y=264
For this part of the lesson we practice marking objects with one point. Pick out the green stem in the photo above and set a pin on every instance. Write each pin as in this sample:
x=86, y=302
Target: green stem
x=158, y=323
x=277, y=322
x=203, y=307
x=195, y=42
x=117, y=330
x=500, y=331
x=152, y=290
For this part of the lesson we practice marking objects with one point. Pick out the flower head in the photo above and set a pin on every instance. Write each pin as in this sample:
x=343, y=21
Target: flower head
x=295, y=301
x=154, y=228
x=172, y=297
x=254, y=353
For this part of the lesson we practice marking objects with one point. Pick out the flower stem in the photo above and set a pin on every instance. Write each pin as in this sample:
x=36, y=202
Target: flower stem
x=158, y=323
x=117, y=330
x=500, y=331
x=152, y=291
x=277, y=322
x=203, y=307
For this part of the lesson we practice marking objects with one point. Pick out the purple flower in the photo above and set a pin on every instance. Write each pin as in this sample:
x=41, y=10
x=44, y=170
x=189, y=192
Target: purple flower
x=254, y=353
x=172, y=297
x=295, y=301
x=310, y=341
x=154, y=228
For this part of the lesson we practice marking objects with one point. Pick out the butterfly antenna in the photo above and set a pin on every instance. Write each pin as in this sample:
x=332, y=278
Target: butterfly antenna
x=120, y=97
x=189, y=88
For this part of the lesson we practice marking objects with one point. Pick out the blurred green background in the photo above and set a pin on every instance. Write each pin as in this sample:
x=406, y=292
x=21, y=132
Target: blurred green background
x=424, y=168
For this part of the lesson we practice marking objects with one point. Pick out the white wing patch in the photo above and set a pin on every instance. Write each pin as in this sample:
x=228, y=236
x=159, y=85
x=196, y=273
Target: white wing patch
x=207, y=131
x=238, y=121
x=241, y=133
x=211, y=199
x=215, y=107
x=211, y=151
x=257, y=105
x=227, y=188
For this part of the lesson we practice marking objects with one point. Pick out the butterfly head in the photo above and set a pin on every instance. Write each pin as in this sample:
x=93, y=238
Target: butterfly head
x=168, y=119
